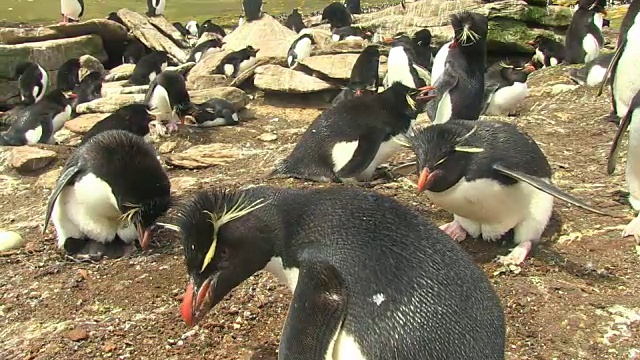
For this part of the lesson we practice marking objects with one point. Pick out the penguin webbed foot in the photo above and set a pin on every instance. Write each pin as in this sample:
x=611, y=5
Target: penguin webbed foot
x=455, y=231
x=172, y=126
x=517, y=255
x=633, y=229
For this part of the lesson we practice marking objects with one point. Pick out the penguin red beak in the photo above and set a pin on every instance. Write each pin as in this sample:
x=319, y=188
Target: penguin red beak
x=603, y=13
x=197, y=301
x=532, y=43
x=358, y=92
x=426, y=179
x=424, y=93
x=144, y=236
x=529, y=68
x=387, y=41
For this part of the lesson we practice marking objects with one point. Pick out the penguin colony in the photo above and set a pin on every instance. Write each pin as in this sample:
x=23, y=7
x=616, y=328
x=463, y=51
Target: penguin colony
x=325, y=244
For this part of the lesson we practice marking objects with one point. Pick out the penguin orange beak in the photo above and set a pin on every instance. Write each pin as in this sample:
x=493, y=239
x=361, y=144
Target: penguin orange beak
x=424, y=93
x=72, y=96
x=197, y=300
x=532, y=43
x=603, y=12
x=358, y=92
x=388, y=41
x=426, y=178
x=529, y=68
x=144, y=236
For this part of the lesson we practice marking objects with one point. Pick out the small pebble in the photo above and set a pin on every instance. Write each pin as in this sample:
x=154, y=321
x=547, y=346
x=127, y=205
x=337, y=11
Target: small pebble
x=77, y=334
x=10, y=240
x=268, y=137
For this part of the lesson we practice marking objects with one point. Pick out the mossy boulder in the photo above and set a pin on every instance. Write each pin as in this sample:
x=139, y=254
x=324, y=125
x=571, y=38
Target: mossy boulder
x=506, y=36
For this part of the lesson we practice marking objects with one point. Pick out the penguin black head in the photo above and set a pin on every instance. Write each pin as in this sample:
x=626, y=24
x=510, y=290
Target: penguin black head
x=593, y=5
x=422, y=38
x=252, y=52
x=32, y=81
x=540, y=40
x=113, y=16
x=516, y=71
x=405, y=99
x=209, y=26
x=470, y=31
x=443, y=155
x=221, y=245
x=336, y=15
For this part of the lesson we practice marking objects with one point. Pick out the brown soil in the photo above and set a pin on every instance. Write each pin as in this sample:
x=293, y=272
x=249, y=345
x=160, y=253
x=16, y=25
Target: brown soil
x=576, y=298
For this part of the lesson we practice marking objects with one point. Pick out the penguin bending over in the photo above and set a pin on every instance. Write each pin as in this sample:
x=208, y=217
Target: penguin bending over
x=505, y=87
x=89, y=89
x=294, y=21
x=134, y=52
x=204, y=48
x=252, y=9
x=492, y=177
x=38, y=122
x=156, y=7
x=33, y=82
x=584, y=38
x=336, y=15
x=168, y=98
x=328, y=246
x=237, y=62
x=365, y=77
x=460, y=88
x=351, y=33
x=134, y=118
x=347, y=142
x=214, y=112
x=101, y=202
x=549, y=52
x=149, y=66
x=68, y=77
x=181, y=28
x=402, y=66
x=300, y=49
x=592, y=73
x=71, y=10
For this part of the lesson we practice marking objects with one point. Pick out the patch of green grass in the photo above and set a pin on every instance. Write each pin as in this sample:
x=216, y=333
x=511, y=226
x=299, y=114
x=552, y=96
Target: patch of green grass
x=222, y=11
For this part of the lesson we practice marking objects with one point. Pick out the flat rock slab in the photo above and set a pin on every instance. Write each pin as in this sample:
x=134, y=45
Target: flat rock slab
x=110, y=104
x=278, y=78
x=204, y=156
x=30, y=158
x=117, y=88
x=83, y=123
x=237, y=97
x=336, y=66
x=267, y=34
x=165, y=27
x=121, y=72
x=107, y=30
x=207, y=81
x=49, y=54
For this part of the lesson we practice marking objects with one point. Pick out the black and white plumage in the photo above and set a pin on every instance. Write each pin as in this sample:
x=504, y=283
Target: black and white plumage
x=192, y=28
x=294, y=21
x=38, y=122
x=402, y=65
x=213, y=112
x=134, y=52
x=169, y=99
x=592, y=73
x=156, y=7
x=209, y=27
x=204, y=48
x=101, y=198
x=68, y=75
x=365, y=71
x=492, y=177
x=351, y=33
x=89, y=89
x=422, y=48
x=505, y=87
x=336, y=15
x=148, y=68
x=33, y=82
x=300, y=49
x=181, y=28
x=460, y=87
x=113, y=16
x=71, y=10
x=328, y=246
x=549, y=52
x=348, y=141
x=134, y=118
x=353, y=6
x=237, y=62
x=252, y=9
x=584, y=39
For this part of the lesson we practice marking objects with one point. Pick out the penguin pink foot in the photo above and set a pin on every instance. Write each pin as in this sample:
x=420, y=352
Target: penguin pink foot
x=454, y=230
x=172, y=126
x=517, y=255
x=633, y=229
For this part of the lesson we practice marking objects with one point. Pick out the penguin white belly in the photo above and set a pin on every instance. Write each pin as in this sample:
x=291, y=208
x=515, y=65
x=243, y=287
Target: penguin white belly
x=197, y=56
x=439, y=62
x=507, y=98
x=302, y=50
x=71, y=8
x=387, y=149
x=160, y=5
x=398, y=68
x=61, y=118
x=342, y=152
x=344, y=347
x=632, y=173
x=598, y=20
x=486, y=207
x=591, y=48
x=33, y=136
x=335, y=37
x=38, y=95
x=353, y=37
x=192, y=27
x=626, y=81
x=228, y=69
x=595, y=75
x=444, y=111
x=215, y=122
x=159, y=101
x=245, y=64
x=287, y=276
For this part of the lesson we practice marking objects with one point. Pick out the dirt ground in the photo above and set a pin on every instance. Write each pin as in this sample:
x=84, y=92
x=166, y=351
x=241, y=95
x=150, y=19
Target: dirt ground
x=576, y=298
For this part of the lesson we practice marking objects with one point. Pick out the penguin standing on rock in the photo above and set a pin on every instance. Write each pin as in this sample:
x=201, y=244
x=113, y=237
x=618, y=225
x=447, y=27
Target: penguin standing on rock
x=134, y=118
x=294, y=21
x=364, y=75
x=329, y=247
x=402, y=66
x=549, y=52
x=492, y=177
x=349, y=140
x=203, y=49
x=101, y=204
x=168, y=98
x=149, y=66
x=156, y=7
x=68, y=75
x=236, y=62
x=214, y=112
x=252, y=9
x=33, y=82
x=71, y=10
x=505, y=87
x=592, y=73
x=584, y=38
x=460, y=88
x=336, y=15
x=300, y=49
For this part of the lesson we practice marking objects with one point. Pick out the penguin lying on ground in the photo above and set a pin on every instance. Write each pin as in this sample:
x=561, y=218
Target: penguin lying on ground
x=460, y=87
x=336, y=15
x=134, y=118
x=505, y=87
x=89, y=89
x=101, y=203
x=38, y=122
x=584, y=38
x=149, y=66
x=209, y=27
x=402, y=64
x=592, y=73
x=71, y=10
x=204, y=48
x=68, y=77
x=348, y=141
x=252, y=9
x=300, y=49
x=236, y=62
x=492, y=177
x=549, y=52
x=156, y=7
x=214, y=112
x=364, y=75
x=33, y=82
x=134, y=52
x=329, y=246
x=169, y=99
x=294, y=21
x=351, y=33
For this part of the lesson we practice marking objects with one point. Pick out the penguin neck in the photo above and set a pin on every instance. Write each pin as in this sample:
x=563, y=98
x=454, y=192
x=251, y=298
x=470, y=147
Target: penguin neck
x=396, y=102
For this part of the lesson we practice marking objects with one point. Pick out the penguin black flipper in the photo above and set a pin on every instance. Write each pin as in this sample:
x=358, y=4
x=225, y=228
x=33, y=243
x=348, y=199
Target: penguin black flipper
x=437, y=109
x=622, y=129
x=68, y=176
x=546, y=187
x=368, y=145
x=317, y=310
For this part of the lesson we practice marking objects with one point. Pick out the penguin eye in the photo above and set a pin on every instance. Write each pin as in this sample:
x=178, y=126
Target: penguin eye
x=224, y=253
x=440, y=161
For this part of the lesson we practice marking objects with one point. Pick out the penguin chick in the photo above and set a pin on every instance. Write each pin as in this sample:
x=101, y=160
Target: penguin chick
x=347, y=142
x=33, y=82
x=168, y=97
x=549, y=52
x=336, y=15
x=209, y=27
x=204, y=48
x=492, y=177
x=592, y=73
x=71, y=10
x=68, y=77
x=149, y=66
x=214, y=112
x=38, y=122
x=328, y=246
x=584, y=39
x=100, y=197
x=237, y=62
x=134, y=52
x=353, y=6
x=156, y=7
x=460, y=87
x=252, y=9
x=364, y=74
x=351, y=33
x=89, y=89
x=300, y=49
x=505, y=87
x=134, y=118
x=294, y=21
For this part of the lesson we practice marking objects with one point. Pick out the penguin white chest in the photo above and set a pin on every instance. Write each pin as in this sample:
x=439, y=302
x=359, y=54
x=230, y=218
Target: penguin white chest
x=633, y=160
x=245, y=64
x=626, y=81
x=302, y=50
x=591, y=47
x=159, y=5
x=439, y=62
x=342, y=153
x=192, y=27
x=71, y=8
x=287, y=276
x=595, y=75
x=40, y=90
x=159, y=101
x=399, y=68
x=507, y=99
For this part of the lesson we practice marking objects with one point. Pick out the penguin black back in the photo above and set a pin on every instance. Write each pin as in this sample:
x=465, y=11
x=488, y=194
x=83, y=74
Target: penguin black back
x=252, y=9
x=365, y=70
x=209, y=26
x=337, y=15
x=68, y=78
x=294, y=21
x=134, y=118
x=89, y=89
x=584, y=37
x=148, y=68
x=337, y=240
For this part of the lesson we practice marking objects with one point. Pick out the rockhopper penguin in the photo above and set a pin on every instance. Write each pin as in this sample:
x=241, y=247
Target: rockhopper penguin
x=33, y=82
x=236, y=62
x=592, y=73
x=209, y=27
x=330, y=246
x=134, y=118
x=349, y=140
x=402, y=65
x=213, y=112
x=549, y=52
x=71, y=10
x=460, y=88
x=252, y=9
x=492, y=177
x=351, y=33
x=89, y=89
x=300, y=49
x=110, y=193
x=169, y=99
x=68, y=75
x=364, y=75
x=584, y=38
x=156, y=7
x=149, y=66
x=294, y=21
x=336, y=15
x=505, y=87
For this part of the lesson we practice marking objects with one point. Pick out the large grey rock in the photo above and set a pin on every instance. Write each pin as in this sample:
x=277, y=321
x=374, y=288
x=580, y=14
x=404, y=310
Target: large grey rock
x=30, y=158
x=49, y=54
x=278, y=78
x=334, y=66
x=107, y=30
x=117, y=88
x=237, y=97
x=202, y=71
x=267, y=34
